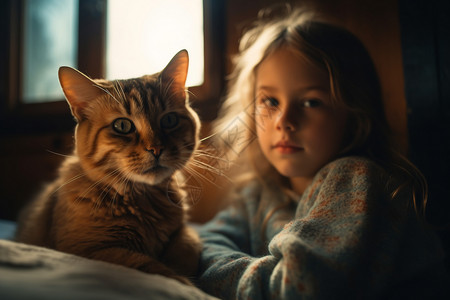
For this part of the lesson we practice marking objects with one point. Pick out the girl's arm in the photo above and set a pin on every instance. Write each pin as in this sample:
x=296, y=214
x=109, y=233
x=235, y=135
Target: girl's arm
x=334, y=248
x=226, y=242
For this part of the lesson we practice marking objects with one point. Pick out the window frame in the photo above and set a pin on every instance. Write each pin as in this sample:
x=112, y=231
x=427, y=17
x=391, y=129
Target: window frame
x=17, y=117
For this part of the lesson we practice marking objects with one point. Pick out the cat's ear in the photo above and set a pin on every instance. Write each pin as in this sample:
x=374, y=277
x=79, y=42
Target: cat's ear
x=78, y=89
x=175, y=73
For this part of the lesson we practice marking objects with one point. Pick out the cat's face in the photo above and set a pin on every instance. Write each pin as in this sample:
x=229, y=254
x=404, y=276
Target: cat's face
x=144, y=135
x=137, y=129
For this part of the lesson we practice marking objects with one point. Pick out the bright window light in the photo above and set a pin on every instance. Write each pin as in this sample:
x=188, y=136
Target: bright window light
x=143, y=35
x=50, y=41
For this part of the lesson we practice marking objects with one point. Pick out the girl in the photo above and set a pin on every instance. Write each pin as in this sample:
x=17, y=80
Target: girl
x=326, y=212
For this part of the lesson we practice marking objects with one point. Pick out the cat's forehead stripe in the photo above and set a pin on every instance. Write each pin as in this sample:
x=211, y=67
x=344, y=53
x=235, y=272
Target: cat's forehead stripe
x=147, y=91
x=134, y=93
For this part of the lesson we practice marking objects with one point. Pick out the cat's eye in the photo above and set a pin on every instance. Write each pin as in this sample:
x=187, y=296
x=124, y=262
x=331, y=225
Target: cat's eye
x=123, y=126
x=169, y=121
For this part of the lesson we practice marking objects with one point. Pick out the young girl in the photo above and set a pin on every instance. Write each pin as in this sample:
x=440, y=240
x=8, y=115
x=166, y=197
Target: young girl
x=329, y=209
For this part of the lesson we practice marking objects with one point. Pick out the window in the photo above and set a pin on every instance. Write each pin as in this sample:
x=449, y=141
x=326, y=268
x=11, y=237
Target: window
x=142, y=38
x=49, y=41
x=45, y=34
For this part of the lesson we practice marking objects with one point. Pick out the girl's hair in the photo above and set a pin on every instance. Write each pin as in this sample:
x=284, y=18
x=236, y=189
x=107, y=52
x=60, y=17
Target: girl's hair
x=353, y=81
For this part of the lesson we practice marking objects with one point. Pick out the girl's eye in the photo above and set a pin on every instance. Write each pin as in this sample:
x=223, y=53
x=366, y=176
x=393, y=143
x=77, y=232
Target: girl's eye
x=123, y=126
x=271, y=102
x=312, y=103
x=169, y=121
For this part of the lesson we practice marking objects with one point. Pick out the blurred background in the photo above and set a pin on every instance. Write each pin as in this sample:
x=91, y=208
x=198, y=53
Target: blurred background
x=409, y=41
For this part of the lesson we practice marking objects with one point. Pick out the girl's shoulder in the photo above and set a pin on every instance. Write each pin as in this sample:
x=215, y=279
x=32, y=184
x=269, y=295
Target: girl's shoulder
x=358, y=170
x=354, y=166
x=353, y=162
x=345, y=186
x=347, y=176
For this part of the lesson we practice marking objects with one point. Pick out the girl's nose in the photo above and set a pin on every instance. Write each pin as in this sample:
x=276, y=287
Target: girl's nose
x=285, y=121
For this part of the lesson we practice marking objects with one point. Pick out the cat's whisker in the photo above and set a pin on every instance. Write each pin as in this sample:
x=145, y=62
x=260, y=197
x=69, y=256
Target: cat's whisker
x=121, y=90
x=205, y=158
x=205, y=166
x=187, y=197
x=108, y=92
x=115, y=181
x=106, y=191
x=96, y=183
x=68, y=182
x=116, y=92
x=187, y=186
x=187, y=146
x=92, y=186
x=208, y=137
x=209, y=149
x=211, y=159
x=59, y=154
x=126, y=180
x=123, y=180
x=200, y=154
x=212, y=170
x=129, y=182
x=194, y=172
x=116, y=84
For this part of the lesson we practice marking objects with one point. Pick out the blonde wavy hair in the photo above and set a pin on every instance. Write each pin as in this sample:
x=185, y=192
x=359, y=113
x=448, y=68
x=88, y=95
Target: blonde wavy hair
x=354, y=84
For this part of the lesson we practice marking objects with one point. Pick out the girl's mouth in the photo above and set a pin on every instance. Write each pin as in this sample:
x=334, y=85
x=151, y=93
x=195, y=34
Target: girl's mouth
x=286, y=147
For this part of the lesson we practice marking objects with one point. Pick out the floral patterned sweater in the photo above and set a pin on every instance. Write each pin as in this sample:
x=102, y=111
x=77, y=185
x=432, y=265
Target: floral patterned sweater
x=344, y=238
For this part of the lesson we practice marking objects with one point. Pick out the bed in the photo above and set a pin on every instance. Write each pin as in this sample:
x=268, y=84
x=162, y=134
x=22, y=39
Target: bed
x=30, y=272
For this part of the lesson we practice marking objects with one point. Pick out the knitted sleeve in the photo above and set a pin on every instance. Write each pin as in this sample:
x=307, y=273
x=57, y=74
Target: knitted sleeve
x=326, y=251
x=224, y=257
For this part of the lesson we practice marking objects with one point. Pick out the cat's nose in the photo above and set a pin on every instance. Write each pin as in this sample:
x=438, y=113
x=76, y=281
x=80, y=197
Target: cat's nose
x=155, y=150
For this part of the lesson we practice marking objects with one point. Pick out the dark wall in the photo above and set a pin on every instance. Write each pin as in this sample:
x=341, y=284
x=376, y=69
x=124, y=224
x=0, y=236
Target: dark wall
x=425, y=28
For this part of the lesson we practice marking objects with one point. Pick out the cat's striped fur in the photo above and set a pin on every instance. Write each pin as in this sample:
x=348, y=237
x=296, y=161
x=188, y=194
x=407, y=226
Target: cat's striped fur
x=115, y=199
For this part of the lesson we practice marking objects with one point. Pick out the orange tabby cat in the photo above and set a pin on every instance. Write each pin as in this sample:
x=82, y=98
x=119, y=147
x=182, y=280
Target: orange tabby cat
x=114, y=199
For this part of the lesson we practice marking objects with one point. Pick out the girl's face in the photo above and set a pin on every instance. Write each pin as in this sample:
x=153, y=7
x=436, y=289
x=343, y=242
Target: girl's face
x=298, y=129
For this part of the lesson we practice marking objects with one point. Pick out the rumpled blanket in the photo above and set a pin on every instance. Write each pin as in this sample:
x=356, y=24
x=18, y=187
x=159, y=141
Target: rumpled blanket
x=30, y=272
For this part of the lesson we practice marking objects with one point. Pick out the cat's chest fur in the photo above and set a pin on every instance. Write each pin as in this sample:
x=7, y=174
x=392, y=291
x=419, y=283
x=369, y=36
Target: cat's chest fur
x=140, y=217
